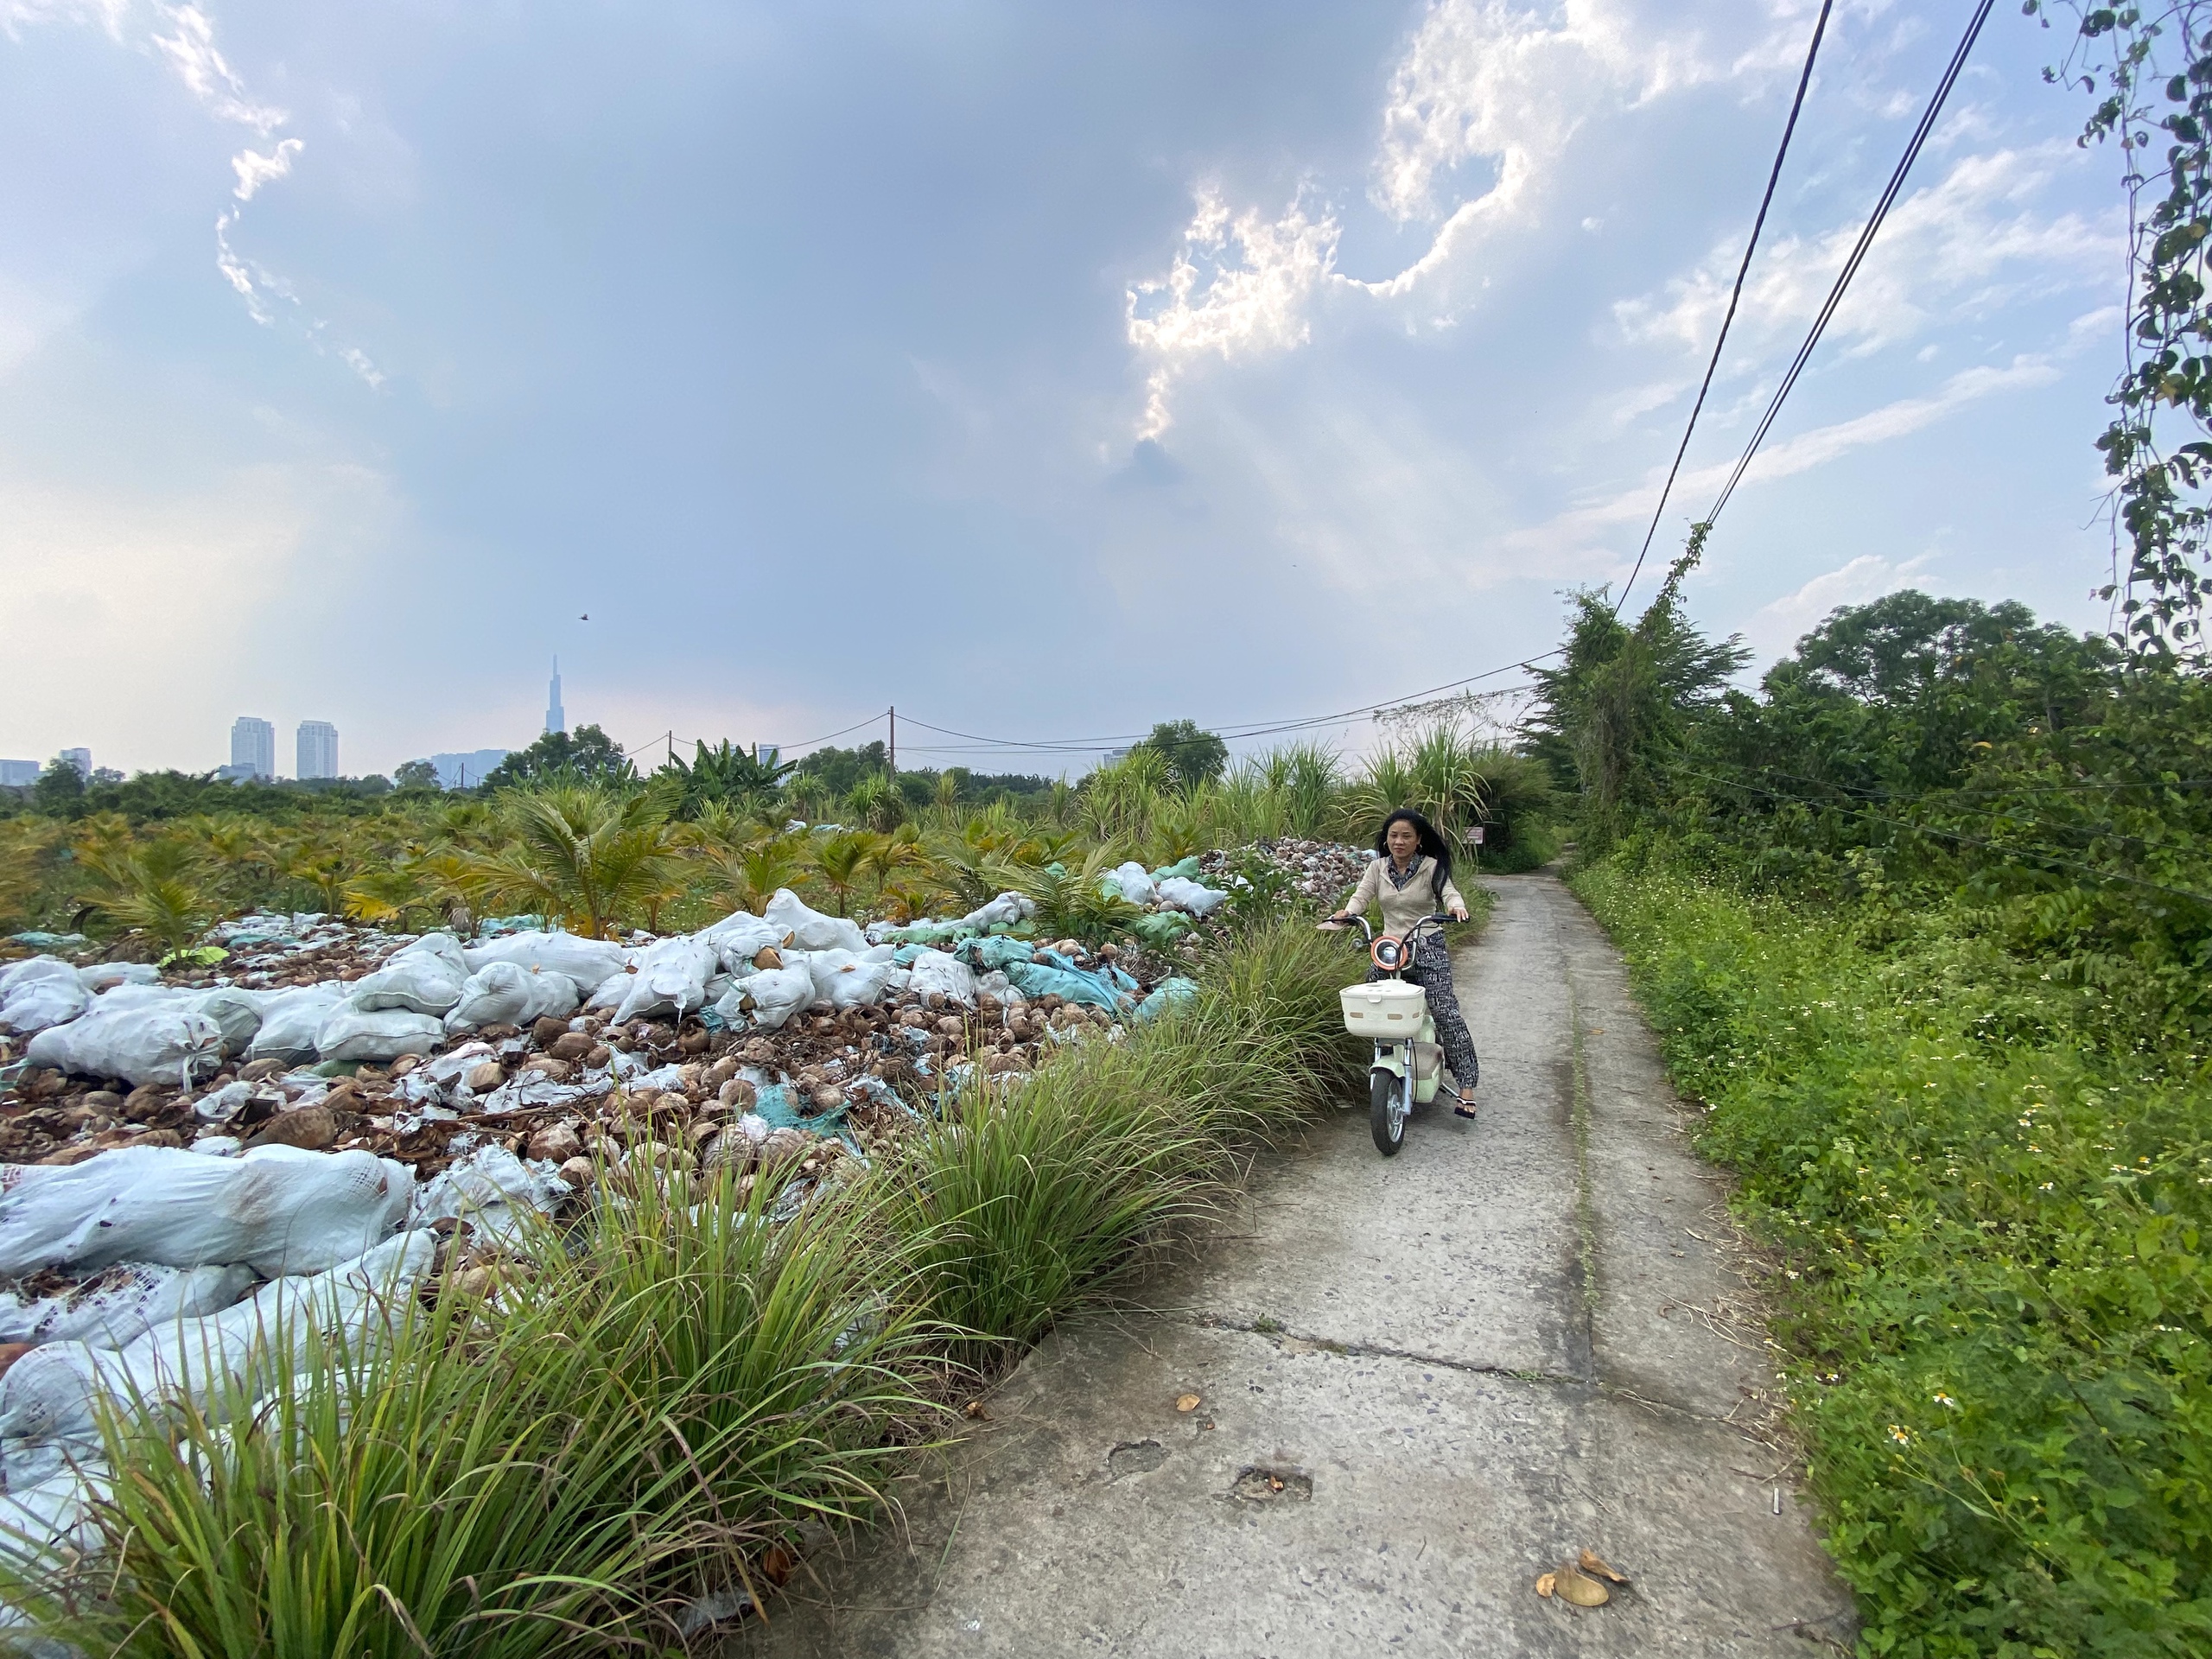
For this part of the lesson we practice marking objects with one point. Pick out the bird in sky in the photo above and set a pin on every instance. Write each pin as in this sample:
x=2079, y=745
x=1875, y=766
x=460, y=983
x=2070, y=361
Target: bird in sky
x=585, y=617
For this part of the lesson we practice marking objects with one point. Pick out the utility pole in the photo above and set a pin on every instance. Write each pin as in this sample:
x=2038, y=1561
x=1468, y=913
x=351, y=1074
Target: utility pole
x=895, y=742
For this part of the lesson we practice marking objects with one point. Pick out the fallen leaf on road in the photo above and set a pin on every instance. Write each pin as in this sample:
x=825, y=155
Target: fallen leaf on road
x=1580, y=1589
x=976, y=1408
x=1187, y=1402
x=776, y=1565
x=1591, y=1562
x=1545, y=1581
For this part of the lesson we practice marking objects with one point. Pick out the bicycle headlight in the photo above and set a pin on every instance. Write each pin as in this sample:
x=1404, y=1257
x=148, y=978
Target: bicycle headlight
x=1388, y=953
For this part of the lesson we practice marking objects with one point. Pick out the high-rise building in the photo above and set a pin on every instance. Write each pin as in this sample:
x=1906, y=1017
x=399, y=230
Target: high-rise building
x=253, y=748
x=466, y=771
x=318, y=750
x=81, y=758
x=556, y=718
x=14, y=774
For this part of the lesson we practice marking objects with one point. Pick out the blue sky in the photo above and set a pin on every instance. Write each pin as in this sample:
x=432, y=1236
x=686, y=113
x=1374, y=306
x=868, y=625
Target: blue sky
x=1045, y=369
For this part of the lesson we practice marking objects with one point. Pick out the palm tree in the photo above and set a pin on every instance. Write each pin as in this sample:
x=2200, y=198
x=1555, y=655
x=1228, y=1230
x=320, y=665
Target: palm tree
x=584, y=854
x=841, y=860
x=160, y=887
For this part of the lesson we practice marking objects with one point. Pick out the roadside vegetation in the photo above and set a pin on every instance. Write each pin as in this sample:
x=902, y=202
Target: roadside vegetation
x=570, y=831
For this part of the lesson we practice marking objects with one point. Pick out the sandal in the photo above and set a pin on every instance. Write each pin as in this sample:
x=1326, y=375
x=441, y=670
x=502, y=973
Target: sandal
x=1465, y=1106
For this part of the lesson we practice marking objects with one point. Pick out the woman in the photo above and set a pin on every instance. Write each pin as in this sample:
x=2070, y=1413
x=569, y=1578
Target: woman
x=1410, y=879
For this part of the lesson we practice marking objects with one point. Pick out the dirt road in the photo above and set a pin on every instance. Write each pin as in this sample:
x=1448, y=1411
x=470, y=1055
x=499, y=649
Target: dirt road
x=1421, y=1382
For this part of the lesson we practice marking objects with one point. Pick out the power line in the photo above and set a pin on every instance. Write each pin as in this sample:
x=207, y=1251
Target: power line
x=1773, y=177
x=1857, y=253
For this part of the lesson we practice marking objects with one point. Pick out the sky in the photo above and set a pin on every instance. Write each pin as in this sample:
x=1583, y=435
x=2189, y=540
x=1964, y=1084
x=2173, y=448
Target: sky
x=1046, y=371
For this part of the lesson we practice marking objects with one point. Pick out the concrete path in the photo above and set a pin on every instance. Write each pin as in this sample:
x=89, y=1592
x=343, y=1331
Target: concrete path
x=1422, y=1383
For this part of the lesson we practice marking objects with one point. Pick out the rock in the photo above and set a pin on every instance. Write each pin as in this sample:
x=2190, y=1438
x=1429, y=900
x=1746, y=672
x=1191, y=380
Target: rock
x=548, y=1031
x=738, y=1095
x=558, y=1141
x=571, y=1045
x=485, y=1075
x=311, y=1129
x=579, y=1173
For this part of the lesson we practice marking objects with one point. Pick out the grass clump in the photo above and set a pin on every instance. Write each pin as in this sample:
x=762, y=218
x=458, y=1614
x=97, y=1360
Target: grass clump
x=1998, y=1304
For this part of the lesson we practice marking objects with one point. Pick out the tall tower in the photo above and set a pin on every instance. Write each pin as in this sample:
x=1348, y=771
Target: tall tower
x=557, y=719
x=318, y=745
x=253, y=748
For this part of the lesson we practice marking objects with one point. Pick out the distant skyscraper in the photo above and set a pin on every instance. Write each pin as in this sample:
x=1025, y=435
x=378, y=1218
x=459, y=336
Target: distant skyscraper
x=556, y=718
x=81, y=758
x=14, y=774
x=466, y=771
x=253, y=748
x=318, y=749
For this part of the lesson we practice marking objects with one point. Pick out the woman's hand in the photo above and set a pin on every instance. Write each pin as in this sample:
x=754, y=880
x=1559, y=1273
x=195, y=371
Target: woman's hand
x=1333, y=924
x=1459, y=912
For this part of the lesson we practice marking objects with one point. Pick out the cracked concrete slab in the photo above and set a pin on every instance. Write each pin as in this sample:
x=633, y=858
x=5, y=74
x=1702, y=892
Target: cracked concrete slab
x=1421, y=1382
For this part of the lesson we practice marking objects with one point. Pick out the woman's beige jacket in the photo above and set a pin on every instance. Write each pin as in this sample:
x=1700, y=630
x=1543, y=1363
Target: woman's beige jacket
x=1402, y=907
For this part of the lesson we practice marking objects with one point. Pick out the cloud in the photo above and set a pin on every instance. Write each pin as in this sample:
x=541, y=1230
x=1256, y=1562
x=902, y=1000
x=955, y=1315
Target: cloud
x=1968, y=243
x=255, y=170
x=191, y=52
x=358, y=360
x=1239, y=287
x=1802, y=453
x=1774, y=630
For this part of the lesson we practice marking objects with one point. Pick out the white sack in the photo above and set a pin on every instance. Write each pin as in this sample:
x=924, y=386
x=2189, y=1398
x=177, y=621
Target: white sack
x=277, y=1210
x=671, y=977
x=933, y=971
x=289, y=1022
x=351, y=1033
x=508, y=993
x=845, y=979
x=119, y=1314
x=1005, y=911
x=777, y=994
x=105, y=975
x=588, y=961
x=50, y=1393
x=1133, y=881
x=810, y=930
x=741, y=936
x=236, y=1014
x=41, y=992
x=1179, y=892
x=425, y=977
x=607, y=995
x=157, y=1043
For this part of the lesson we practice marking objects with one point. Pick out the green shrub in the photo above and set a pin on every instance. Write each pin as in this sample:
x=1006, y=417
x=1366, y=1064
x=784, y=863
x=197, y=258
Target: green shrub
x=1997, y=1309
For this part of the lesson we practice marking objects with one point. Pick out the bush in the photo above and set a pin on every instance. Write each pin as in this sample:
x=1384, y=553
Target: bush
x=1997, y=1303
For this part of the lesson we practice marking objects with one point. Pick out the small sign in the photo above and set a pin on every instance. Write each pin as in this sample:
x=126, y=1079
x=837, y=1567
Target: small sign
x=1475, y=836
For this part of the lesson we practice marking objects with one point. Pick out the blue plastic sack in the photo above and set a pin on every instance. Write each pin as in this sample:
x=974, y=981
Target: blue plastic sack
x=1169, y=992
x=1070, y=984
x=997, y=951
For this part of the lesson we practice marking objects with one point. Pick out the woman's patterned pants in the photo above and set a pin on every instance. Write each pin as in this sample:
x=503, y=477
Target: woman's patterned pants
x=1432, y=971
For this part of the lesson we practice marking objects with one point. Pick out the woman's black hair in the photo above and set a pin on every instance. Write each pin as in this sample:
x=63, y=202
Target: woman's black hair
x=1431, y=842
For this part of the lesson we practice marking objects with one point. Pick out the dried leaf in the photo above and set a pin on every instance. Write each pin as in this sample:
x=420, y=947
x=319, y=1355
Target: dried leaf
x=1579, y=1589
x=1187, y=1402
x=976, y=1408
x=1545, y=1581
x=1591, y=1562
x=777, y=1564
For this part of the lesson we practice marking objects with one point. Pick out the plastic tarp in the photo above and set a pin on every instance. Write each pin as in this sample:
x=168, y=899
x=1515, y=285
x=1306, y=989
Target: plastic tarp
x=277, y=1210
x=1131, y=881
x=1181, y=893
x=41, y=993
x=160, y=1042
x=1168, y=993
x=289, y=1022
x=991, y=954
x=424, y=977
x=810, y=930
x=671, y=977
x=129, y=1302
x=508, y=993
x=1050, y=974
x=933, y=971
x=1007, y=910
x=588, y=961
x=490, y=1189
x=380, y=1034
x=50, y=1393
